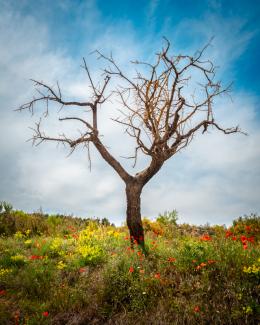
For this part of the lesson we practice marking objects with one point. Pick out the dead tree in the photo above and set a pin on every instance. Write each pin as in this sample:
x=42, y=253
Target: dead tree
x=158, y=110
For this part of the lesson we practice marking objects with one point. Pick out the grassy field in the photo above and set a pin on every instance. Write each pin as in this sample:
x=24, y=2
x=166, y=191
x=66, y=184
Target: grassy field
x=64, y=270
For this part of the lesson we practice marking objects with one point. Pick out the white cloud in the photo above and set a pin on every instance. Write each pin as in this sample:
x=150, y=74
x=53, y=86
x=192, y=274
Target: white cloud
x=215, y=179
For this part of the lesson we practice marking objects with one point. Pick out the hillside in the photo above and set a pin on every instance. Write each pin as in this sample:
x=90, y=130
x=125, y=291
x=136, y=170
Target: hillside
x=65, y=270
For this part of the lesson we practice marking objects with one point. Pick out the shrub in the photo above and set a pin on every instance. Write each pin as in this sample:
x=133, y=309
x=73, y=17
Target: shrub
x=169, y=217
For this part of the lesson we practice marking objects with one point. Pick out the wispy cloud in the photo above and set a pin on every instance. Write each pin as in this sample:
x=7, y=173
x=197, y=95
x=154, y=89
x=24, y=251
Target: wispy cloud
x=215, y=179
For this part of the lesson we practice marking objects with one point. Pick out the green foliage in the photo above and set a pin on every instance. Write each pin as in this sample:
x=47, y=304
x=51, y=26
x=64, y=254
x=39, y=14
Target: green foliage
x=169, y=217
x=56, y=269
x=5, y=207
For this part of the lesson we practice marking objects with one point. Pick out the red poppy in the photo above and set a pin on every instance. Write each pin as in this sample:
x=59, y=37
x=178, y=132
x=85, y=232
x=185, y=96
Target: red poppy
x=17, y=317
x=245, y=246
x=251, y=239
x=228, y=233
x=157, y=275
x=243, y=239
x=248, y=228
x=196, y=309
x=35, y=257
x=131, y=269
x=206, y=238
x=45, y=314
x=171, y=259
x=211, y=261
x=234, y=238
x=2, y=292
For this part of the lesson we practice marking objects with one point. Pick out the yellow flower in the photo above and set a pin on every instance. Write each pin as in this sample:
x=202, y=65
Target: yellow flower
x=248, y=310
x=252, y=269
x=4, y=272
x=116, y=234
x=17, y=258
x=113, y=233
x=239, y=296
x=18, y=235
x=61, y=265
x=28, y=242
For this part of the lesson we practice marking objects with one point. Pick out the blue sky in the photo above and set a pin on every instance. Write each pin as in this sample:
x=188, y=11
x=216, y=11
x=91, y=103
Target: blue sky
x=147, y=20
x=214, y=181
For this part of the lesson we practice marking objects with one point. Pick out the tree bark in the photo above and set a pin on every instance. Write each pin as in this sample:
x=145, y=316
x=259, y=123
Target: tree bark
x=133, y=213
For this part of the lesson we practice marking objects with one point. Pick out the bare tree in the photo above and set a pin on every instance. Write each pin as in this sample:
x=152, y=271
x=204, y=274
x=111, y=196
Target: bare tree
x=159, y=111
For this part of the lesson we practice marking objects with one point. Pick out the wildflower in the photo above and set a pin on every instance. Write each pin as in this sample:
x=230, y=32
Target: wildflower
x=196, y=309
x=248, y=229
x=18, y=235
x=157, y=275
x=239, y=296
x=17, y=258
x=116, y=234
x=83, y=270
x=228, y=233
x=61, y=265
x=35, y=257
x=142, y=271
x=201, y=266
x=131, y=269
x=2, y=292
x=45, y=314
x=211, y=262
x=171, y=259
x=17, y=317
x=28, y=242
x=248, y=310
x=243, y=239
x=126, y=238
x=234, y=238
x=251, y=239
x=252, y=269
x=205, y=238
x=4, y=272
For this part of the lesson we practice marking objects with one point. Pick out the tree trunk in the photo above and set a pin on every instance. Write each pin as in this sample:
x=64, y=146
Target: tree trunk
x=133, y=213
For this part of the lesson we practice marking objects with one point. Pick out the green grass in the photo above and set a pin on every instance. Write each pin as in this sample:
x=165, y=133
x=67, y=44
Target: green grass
x=71, y=271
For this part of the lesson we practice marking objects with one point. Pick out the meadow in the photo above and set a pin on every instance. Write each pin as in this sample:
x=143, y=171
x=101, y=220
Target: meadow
x=57, y=269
